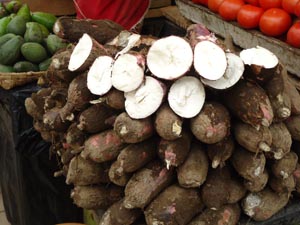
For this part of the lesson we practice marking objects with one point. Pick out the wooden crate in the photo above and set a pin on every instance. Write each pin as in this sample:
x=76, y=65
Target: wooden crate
x=288, y=55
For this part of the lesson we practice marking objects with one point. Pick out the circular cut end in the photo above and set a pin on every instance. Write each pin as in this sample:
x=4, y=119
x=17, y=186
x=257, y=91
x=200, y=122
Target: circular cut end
x=186, y=96
x=81, y=52
x=234, y=71
x=209, y=60
x=259, y=56
x=170, y=57
x=99, y=75
x=128, y=72
x=145, y=100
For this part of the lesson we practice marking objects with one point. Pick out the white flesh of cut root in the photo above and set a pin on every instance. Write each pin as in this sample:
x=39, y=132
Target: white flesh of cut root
x=186, y=96
x=145, y=100
x=234, y=71
x=99, y=75
x=259, y=56
x=209, y=60
x=170, y=57
x=81, y=52
x=128, y=72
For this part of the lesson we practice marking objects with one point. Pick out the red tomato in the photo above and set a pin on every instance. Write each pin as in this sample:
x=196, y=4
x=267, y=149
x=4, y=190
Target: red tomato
x=229, y=9
x=249, y=15
x=275, y=22
x=267, y=4
x=293, y=35
x=297, y=9
x=289, y=5
x=214, y=5
x=252, y=2
x=201, y=2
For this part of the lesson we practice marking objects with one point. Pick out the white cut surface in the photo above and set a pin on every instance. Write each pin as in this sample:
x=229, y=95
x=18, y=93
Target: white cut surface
x=233, y=73
x=145, y=100
x=259, y=56
x=81, y=52
x=186, y=96
x=170, y=57
x=128, y=72
x=209, y=60
x=99, y=75
x=250, y=203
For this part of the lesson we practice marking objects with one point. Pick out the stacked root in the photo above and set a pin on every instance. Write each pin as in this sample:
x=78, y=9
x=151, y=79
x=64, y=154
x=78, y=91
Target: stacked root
x=172, y=131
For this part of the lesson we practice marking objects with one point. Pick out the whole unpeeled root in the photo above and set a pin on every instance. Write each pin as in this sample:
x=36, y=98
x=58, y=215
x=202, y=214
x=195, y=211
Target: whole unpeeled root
x=212, y=124
x=117, y=176
x=284, y=167
x=293, y=125
x=257, y=184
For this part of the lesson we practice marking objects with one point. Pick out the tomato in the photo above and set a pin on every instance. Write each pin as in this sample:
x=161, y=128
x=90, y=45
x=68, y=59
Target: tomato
x=249, y=15
x=289, y=5
x=297, y=9
x=275, y=22
x=229, y=9
x=293, y=35
x=201, y=2
x=214, y=5
x=267, y=4
x=253, y=2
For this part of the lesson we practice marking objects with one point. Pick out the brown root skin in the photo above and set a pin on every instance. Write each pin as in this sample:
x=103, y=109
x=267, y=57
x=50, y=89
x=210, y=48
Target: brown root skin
x=86, y=172
x=227, y=214
x=102, y=147
x=39, y=97
x=135, y=156
x=99, y=111
x=74, y=137
x=56, y=99
x=146, y=184
x=175, y=205
x=53, y=121
x=72, y=29
x=33, y=110
x=249, y=165
x=198, y=32
x=220, y=152
x=296, y=175
x=212, y=124
x=263, y=205
x=280, y=185
x=221, y=188
x=117, y=214
x=193, y=172
x=257, y=184
x=168, y=125
x=294, y=95
x=115, y=99
x=293, y=125
x=78, y=98
x=133, y=130
x=173, y=153
x=281, y=140
x=252, y=139
x=96, y=197
x=117, y=175
x=250, y=103
x=284, y=167
x=60, y=60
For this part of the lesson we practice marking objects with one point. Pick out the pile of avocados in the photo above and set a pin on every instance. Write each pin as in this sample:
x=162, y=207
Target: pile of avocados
x=26, y=38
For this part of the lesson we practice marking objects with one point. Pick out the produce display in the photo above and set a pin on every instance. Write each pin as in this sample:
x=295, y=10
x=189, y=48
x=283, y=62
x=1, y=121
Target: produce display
x=173, y=130
x=27, y=41
x=275, y=18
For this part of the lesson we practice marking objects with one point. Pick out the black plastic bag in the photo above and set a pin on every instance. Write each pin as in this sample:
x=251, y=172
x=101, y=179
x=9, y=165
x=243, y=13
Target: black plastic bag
x=31, y=195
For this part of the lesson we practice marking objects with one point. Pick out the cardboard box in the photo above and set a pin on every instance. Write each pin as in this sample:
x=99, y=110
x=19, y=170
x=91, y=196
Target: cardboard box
x=56, y=7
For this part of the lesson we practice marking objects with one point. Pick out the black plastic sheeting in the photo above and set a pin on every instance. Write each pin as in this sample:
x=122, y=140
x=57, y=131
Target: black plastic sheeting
x=31, y=195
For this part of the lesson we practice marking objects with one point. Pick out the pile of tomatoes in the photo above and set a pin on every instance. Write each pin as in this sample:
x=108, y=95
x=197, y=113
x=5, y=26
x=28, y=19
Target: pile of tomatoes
x=275, y=18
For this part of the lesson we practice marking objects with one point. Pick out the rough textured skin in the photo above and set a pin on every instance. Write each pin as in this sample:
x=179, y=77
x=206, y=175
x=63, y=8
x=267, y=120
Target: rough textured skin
x=251, y=138
x=96, y=197
x=212, y=124
x=103, y=147
x=257, y=184
x=146, y=184
x=281, y=185
x=133, y=130
x=173, y=153
x=283, y=168
x=116, y=176
x=86, y=172
x=250, y=103
x=293, y=125
x=168, y=125
x=74, y=137
x=53, y=121
x=262, y=205
x=117, y=214
x=193, y=172
x=294, y=96
x=174, y=206
x=115, y=99
x=226, y=215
